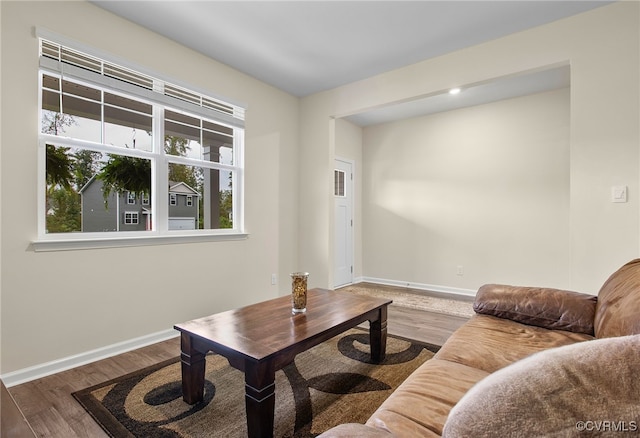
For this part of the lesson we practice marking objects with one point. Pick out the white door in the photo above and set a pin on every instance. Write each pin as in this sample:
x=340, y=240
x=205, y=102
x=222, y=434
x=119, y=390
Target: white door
x=343, y=244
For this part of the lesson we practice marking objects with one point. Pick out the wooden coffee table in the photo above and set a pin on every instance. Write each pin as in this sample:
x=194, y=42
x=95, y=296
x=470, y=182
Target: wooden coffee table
x=262, y=338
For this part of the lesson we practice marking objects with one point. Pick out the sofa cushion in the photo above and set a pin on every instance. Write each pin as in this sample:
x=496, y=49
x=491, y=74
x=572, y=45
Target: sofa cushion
x=554, y=309
x=490, y=343
x=351, y=430
x=618, y=308
x=588, y=387
x=420, y=405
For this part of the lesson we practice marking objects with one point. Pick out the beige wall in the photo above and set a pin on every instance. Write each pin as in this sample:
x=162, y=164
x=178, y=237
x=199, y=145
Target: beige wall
x=485, y=188
x=602, y=47
x=58, y=304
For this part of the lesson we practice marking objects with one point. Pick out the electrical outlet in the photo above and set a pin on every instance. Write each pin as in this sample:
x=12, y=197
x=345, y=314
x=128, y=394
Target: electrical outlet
x=274, y=279
x=460, y=270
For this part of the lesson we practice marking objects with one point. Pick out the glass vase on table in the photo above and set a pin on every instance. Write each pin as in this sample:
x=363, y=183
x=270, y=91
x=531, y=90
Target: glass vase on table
x=299, y=292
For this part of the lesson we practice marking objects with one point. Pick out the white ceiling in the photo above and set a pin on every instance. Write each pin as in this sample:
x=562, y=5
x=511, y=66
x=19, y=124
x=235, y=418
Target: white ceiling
x=470, y=95
x=304, y=47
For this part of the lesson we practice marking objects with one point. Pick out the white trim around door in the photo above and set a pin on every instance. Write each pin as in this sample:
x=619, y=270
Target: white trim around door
x=343, y=248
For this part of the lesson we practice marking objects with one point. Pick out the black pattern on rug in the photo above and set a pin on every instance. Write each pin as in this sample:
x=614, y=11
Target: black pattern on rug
x=148, y=403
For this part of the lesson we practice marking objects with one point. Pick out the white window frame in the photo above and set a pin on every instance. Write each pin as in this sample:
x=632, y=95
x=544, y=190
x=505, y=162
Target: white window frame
x=145, y=199
x=133, y=215
x=189, y=201
x=159, y=161
x=131, y=198
x=173, y=199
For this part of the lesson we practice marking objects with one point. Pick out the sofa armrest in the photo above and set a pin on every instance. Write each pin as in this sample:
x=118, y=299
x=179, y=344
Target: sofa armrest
x=554, y=309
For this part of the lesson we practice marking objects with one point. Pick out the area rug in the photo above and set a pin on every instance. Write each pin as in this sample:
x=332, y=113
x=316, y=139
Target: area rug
x=416, y=300
x=332, y=383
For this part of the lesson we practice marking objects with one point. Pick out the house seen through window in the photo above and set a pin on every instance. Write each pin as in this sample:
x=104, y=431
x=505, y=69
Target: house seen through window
x=117, y=143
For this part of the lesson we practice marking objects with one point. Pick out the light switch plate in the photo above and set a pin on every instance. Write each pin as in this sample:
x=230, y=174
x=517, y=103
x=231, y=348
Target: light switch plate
x=619, y=194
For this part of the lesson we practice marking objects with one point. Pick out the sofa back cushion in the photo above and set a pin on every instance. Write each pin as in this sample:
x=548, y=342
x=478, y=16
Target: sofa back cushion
x=554, y=309
x=618, y=306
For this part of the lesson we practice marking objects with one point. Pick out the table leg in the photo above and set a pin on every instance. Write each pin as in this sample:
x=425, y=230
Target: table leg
x=378, y=336
x=193, y=364
x=260, y=398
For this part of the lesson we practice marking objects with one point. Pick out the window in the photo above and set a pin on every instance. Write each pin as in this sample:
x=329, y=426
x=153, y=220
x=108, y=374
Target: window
x=131, y=218
x=338, y=183
x=110, y=134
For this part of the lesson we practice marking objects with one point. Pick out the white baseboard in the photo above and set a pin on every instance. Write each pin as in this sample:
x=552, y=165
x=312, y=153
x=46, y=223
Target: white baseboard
x=46, y=369
x=419, y=286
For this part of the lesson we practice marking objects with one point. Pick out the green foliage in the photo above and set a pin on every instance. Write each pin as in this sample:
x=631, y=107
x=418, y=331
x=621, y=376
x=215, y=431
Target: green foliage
x=179, y=146
x=85, y=165
x=122, y=173
x=64, y=211
x=226, y=208
x=66, y=174
x=58, y=166
x=176, y=145
x=182, y=173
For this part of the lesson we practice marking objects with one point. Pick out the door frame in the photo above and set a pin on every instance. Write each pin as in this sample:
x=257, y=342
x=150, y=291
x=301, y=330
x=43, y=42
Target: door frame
x=350, y=194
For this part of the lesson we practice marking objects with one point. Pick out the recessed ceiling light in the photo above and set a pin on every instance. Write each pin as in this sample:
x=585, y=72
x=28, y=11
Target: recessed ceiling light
x=454, y=91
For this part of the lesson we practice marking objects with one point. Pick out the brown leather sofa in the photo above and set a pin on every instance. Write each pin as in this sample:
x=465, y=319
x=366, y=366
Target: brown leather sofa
x=521, y=367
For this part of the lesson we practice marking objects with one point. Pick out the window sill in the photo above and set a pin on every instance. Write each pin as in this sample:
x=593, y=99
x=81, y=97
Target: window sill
x=61, y=244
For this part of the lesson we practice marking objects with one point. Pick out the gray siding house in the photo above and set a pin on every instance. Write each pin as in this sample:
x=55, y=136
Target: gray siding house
x=183, y=207
x=128, y=212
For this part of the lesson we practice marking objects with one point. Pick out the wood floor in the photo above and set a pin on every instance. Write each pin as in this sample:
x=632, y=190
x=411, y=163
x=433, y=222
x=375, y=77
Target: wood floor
x=51, y=411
